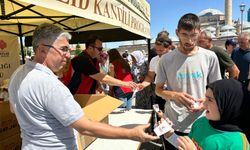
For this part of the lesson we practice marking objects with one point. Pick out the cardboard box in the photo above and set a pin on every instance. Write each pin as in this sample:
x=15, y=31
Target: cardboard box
x=85, y=141
x=96, y=108
x=13, y=142
x=8, y=122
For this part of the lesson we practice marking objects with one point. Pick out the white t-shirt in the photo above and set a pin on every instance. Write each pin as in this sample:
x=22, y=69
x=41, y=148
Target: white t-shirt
x=188, y=74
x=154, y=63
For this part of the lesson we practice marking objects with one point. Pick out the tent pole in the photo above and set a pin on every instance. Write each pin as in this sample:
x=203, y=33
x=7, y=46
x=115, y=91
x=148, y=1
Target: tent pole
x=21, y=42
x=149, y=47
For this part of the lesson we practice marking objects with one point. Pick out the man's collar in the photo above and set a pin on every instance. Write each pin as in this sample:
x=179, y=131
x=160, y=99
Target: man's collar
x=244, y=51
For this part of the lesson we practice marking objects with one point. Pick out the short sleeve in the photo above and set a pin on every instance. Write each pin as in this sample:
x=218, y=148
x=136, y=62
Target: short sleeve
x=161, y=72
x=151, y=65
x=62, y=105
x=214, y=69
x=225, y=59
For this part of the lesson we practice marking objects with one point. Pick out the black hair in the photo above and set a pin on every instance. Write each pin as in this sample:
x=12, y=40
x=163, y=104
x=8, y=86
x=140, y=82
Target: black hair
x=230, y=42
x=92, y=39
x=163, y=33
x=114, y=55
x=189, y=22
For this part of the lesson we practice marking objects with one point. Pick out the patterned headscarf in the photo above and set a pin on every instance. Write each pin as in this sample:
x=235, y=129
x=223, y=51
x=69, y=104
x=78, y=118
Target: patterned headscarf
x=139, y=57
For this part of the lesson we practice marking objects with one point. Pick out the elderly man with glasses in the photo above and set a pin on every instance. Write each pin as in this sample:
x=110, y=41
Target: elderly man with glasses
x=86, y=76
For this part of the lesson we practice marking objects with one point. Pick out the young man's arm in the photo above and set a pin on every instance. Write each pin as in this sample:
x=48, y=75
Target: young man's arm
x=229, y=64
x=233, y=72
x=148, y=79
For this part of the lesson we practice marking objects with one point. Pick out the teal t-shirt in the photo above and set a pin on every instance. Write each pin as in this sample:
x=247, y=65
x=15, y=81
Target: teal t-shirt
x=208, y=138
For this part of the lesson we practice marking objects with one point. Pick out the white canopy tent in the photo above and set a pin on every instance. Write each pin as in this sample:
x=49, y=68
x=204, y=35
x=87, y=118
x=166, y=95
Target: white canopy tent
x=114, y=20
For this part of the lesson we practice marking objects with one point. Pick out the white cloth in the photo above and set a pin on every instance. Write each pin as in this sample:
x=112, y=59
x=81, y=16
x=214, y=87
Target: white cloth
x=139, y=57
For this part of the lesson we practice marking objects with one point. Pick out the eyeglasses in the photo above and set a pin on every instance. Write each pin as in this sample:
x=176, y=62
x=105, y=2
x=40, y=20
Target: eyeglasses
x=98, y=48
x=64, y=49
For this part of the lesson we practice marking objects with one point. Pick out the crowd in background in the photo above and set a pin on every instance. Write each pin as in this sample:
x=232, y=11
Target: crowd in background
x=166, y=78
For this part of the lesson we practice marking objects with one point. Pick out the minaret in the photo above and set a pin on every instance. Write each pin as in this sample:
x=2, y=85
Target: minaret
x=248, y=15
x=228, y=12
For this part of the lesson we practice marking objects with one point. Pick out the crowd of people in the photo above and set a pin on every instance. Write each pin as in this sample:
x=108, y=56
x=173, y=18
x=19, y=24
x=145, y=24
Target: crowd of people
x=174, y=77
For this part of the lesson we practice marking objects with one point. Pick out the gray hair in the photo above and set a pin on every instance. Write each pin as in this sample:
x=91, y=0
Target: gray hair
x=245, y=35
x=207, y=34
x=47, y=33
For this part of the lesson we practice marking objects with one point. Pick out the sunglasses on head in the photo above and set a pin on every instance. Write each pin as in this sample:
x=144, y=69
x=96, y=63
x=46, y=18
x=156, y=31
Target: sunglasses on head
x=163, y=43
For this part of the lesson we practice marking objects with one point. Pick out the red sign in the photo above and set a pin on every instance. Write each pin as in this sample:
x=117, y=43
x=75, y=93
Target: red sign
x=3, y=45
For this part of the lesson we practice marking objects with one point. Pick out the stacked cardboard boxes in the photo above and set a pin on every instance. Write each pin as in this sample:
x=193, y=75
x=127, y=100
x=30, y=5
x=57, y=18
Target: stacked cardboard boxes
x=9, y=128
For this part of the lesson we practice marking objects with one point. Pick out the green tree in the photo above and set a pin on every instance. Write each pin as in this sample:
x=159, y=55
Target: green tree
x=78, y=49
x=27, y=51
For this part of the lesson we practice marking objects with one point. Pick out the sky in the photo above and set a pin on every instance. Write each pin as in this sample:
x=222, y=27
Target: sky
x=165, y=14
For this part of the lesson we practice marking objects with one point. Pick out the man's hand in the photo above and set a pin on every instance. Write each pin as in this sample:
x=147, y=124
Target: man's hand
x=199, y=107
x=99, y=89
x=140, y=86
x=160, y=114
x=233, y=72
x=138, y=134
x=131, y=85
x=184, y=99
